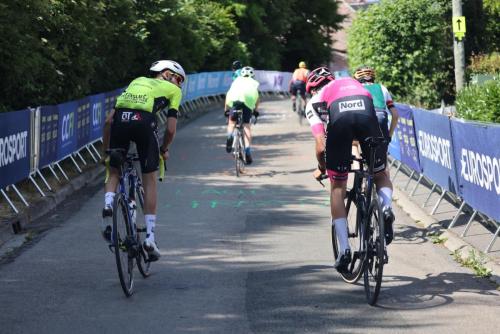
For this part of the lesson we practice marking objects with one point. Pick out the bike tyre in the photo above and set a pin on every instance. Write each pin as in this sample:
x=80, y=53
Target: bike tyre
x=355, y=233
x=125, y=268
x=375, y=250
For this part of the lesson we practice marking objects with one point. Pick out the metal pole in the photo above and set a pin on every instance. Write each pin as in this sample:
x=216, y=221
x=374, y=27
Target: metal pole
x=91, y=154
x=36, y=185
x=469, y=223
x=81, y=158
x=439, y=201
x=63, y=173
x=457, y=215
x=96, y=151
x=418, y=182
x=397, y=171
x=74, y=161
x=430, y=194
x=458, y=50
x=54, y=173
x=20, y=196
x=9, y=201
x=492, y=240
x=409, y=180
x=44, y=180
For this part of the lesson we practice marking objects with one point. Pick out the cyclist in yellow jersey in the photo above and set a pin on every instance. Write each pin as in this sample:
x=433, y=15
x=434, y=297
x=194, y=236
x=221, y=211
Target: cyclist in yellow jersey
x=134, y=119
x=244, y=93
x=298, y=83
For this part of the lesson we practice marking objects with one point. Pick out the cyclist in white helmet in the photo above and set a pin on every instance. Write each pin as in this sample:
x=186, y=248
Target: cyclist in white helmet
x=243, y=92
x=134, y=119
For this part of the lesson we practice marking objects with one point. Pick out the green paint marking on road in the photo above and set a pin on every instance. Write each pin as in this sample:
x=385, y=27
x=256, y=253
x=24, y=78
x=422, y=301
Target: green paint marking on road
x=213, y=204
x=239, y=204
x=195, y=204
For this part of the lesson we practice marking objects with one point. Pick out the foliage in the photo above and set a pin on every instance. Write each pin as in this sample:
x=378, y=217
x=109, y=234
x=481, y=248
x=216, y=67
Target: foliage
x=57, y=50
x=485, y=64
x=474, y=261
x=409, y=45
x=480, y=103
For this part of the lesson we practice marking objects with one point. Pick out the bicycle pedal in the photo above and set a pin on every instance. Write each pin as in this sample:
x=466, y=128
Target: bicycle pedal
x=111, y=248
x=386, y=258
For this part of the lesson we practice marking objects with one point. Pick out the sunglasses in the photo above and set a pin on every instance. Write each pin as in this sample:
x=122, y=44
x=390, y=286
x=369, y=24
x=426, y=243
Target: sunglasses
x=178, y=78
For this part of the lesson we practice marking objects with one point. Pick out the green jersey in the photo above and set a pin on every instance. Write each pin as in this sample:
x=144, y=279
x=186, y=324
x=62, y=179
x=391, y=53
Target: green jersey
x=377, y=94
x=149, y=94
x=245, y=90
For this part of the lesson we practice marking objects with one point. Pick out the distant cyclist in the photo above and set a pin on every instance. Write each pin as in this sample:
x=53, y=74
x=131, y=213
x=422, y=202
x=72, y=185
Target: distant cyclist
x=236, y=67
x=244, y=92
x=351, y=115
x=383, y=103
x=134, y=119
x=298, y=82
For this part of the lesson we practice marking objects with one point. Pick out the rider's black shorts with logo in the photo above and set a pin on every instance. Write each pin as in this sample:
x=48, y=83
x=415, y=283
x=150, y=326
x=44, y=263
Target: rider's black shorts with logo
x=351, y=118
x=140, y=127
x=296, y=86
x=247, y=112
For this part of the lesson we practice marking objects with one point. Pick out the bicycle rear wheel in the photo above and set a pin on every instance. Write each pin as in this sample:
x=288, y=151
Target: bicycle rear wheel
x=142, y=258
x=300, y=107
x=375, y=252
x=236, y=153
x=124, y=244
x=355, y=238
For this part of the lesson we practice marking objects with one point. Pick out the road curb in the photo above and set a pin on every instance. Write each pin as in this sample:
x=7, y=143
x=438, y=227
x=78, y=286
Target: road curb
x=453, y=242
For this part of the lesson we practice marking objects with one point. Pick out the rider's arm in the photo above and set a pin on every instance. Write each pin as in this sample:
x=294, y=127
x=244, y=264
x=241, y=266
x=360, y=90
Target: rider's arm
x=168, y=138
x=106, y=131
x=392, y=109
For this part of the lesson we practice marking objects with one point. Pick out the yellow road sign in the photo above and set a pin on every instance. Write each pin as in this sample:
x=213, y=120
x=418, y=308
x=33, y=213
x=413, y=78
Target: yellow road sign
x=459, y=25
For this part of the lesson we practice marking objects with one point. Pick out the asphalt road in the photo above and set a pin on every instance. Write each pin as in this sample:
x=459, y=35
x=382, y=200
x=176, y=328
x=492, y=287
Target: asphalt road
x=248, y=255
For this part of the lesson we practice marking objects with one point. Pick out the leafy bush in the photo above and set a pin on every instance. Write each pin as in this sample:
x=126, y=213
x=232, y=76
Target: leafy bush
x=480, y=103
x=409, y=44
x=485, y=64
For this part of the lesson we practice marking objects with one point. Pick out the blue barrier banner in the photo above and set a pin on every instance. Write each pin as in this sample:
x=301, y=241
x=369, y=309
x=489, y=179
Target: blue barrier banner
x=66, y=136
x=192, y=83
x=214, y=83
x=201, y=87
x=406, y=135
x=273, y=81
x=49, y=125
x=83, y=114
x=477, y=157
x=394, y=149
x=98, y=115
x=15, y=144
x=435, y=148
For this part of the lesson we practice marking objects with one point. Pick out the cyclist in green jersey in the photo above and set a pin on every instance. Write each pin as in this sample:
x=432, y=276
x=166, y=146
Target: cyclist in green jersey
x=134, y=119
x=383, y=103
x=243, y=91
x=236, y=67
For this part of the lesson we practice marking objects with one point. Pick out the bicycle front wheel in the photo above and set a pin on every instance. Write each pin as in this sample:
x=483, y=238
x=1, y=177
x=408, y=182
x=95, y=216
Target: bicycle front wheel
x=124, y=244
x=355, y=238
x=375, y=252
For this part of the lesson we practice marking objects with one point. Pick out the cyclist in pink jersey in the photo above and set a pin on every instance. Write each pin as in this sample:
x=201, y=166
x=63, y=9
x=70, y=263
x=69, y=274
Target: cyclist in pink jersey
x=351, y=116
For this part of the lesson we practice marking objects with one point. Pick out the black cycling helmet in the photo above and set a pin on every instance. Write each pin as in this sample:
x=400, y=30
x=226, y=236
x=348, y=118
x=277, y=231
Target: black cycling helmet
x=236, y=65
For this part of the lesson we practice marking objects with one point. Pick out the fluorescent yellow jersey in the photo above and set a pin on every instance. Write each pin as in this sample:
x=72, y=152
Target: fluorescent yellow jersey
x=151, y=95
x=243, y=89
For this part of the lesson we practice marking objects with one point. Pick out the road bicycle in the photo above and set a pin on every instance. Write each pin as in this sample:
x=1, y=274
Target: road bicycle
x=239, y=147
x=365, y=227
x=126, y=235
x=301, y=106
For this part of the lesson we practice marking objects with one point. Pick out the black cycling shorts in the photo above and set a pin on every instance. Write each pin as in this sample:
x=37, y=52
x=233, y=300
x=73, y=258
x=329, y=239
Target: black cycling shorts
x=351, y=118
x=140, y=127
x=296, y=86
x=247, y=112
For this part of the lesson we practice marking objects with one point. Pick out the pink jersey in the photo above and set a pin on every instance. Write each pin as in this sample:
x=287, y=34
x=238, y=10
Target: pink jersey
x=342, y=87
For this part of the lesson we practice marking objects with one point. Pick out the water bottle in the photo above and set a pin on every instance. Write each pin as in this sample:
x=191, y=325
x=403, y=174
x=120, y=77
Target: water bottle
x=133, y=211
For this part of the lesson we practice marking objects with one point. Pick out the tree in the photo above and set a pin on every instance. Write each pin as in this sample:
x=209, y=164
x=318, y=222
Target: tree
x=409, y=43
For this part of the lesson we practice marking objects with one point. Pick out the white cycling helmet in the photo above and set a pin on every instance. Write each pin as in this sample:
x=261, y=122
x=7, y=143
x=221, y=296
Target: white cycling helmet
x=247, y=71
x=161, y=65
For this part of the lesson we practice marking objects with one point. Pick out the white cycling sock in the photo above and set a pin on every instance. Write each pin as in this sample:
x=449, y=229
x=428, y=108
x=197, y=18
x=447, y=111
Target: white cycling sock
x=341, y=231
x=385, y=195
x=150, y=227
x=109, y=197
